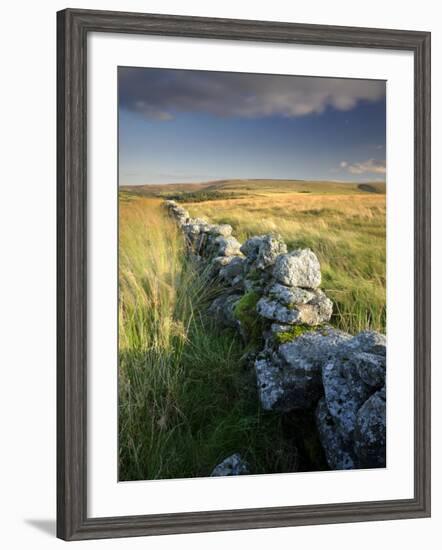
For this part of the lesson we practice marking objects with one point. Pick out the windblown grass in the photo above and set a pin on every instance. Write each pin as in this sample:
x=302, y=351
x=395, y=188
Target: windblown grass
x=186, y=397
x=186, y=400
x=347, y=232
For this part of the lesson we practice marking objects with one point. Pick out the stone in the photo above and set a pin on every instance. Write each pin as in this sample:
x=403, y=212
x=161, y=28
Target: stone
x=270, y=383
x=255, y=279
x=250, y=248
x=232, y=273
x=290, y=378
x=233, y=465
x=227, y=246
x=217, y=263
x=299, y=268
x=191, y=229
x=179, y=210
x=278, y=328
x=180, y=214
x=262, y=251
x=225, y=230
x=337, y=453
x=274, y=311
x=370, y=432
x=317, y=311
x=345, y=392
x=288, y=296
x=370, y=342
x=222, y=310
x=196, y=232
x=202, y=222
x=371, y=368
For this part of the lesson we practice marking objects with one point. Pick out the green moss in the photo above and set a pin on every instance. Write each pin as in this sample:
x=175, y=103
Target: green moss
x=245, y=312
x=294, y=332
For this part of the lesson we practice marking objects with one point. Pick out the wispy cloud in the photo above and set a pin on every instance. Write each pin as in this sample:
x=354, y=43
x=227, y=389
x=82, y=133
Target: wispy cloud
x=162, y=94
x=370, y=166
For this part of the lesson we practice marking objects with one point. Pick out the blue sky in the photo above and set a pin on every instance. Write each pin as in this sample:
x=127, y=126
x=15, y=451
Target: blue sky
x=178, y=126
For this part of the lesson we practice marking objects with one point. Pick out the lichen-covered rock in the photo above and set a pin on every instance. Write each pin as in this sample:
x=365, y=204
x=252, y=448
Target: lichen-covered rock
x=196, y=233
x=270, y=382
x=290, y=378
x=233, y=465
x=232, y=272
x=345, y=392
x=217, y=263
x=274, y=311
x=222, y=309
x=371, y=368
x=317, y=311
x=191, y=229
x=298, y=268
x=351, y=418
x=351, y=376
x=256, y=279
x=369, y=342
x=227, y=246
x=262, y=251
x=178, y=212
x=289, y=296
x=225, y=230
x=337, y=452
x=370, y=432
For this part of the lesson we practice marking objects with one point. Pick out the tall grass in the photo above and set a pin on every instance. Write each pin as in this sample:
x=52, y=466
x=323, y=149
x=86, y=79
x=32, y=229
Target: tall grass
x=186, y=398
x=347, y=232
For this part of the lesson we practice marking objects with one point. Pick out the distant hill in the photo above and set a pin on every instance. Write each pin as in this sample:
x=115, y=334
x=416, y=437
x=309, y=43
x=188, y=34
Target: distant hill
x=235, y=188
x=373, y=187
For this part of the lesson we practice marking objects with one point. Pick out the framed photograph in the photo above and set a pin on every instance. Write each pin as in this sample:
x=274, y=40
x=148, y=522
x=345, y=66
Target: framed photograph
x=243, y=274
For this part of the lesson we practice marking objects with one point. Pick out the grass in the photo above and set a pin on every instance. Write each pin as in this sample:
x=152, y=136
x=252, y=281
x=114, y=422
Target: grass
x=347, y=232
x=186, y=400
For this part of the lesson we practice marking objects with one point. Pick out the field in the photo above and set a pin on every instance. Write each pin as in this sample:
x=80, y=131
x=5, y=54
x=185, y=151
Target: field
x=186, y=396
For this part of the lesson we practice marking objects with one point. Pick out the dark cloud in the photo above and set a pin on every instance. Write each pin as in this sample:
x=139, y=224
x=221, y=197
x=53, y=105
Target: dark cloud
x=161, y=94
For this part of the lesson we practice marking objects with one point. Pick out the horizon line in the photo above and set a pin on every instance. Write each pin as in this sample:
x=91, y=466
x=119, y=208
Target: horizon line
x=219, y=180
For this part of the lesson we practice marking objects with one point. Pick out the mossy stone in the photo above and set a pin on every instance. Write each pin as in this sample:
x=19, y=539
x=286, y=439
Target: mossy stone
x=294, y=332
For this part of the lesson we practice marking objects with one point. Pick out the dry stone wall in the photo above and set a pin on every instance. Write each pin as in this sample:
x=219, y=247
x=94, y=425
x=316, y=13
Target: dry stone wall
x=272, y=296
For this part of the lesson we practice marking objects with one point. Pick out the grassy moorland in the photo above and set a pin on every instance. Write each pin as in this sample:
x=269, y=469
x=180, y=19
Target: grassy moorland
x=344, y=224
x=186, y=400
x=186, y=397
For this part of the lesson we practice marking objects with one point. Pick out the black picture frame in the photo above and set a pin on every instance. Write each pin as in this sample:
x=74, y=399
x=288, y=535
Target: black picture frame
x=73, y=26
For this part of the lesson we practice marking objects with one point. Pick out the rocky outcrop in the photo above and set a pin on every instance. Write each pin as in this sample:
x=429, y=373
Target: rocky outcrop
x=354, y=396
x=273, y=298
x=299, y=268
x=370, y=432
x=289, y=377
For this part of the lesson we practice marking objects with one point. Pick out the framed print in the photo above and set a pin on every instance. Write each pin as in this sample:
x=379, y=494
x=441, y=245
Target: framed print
x=243, y=274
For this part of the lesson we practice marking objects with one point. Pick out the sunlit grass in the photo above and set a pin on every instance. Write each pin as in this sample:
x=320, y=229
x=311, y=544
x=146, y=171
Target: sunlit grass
x=347, y=232
x=186, y=399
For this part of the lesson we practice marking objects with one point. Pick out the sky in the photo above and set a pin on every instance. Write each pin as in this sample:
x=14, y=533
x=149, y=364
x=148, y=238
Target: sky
x=179, y=126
